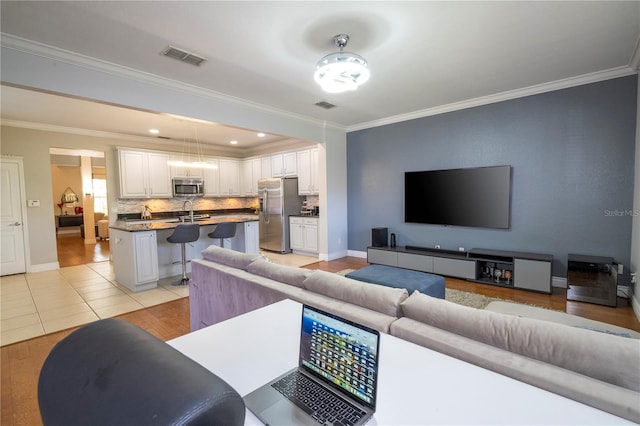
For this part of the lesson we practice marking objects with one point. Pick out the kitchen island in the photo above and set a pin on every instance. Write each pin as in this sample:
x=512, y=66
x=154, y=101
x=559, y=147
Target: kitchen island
x=141, y=254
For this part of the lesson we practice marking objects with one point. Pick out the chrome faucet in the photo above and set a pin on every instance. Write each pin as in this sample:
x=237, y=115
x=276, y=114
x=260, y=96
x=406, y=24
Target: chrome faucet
x=184, y=207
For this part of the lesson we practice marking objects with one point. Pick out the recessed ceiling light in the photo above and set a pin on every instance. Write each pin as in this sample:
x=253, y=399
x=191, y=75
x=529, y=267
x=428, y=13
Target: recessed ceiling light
x=154, y=131
x=261, y=135
x=234, y=142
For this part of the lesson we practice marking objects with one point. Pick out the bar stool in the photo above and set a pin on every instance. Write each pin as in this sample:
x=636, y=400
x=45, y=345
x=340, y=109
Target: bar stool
x=224, y=230
x=184, y=233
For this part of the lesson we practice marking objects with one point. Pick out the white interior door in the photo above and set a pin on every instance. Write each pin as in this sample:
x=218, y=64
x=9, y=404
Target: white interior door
x=12, y=253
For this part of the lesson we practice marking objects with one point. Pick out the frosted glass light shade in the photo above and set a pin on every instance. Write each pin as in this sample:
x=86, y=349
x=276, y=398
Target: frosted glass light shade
x=341, y=72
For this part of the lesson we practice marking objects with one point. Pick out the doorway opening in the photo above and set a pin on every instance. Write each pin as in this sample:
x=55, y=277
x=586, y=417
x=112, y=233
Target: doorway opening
x=81, y=206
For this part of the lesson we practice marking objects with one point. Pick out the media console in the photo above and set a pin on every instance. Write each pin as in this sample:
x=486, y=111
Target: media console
x=527, y=271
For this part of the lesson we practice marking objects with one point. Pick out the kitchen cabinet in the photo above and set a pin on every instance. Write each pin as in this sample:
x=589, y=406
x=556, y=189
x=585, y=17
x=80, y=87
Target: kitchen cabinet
x=251, y=172
x=303, y=234
x=284, y=165
x=184, y=172
x=266, y=167
x=135, y=258
x=307, y=163
x=211, y=178
x=229, y=177
x=144, y=174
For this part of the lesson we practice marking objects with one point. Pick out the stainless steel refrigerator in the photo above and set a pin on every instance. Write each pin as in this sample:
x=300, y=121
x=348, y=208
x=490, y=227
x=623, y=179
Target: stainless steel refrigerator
x=278, y=199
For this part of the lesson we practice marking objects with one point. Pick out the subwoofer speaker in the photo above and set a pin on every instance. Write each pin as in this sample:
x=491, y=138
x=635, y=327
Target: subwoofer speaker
x=379, y=237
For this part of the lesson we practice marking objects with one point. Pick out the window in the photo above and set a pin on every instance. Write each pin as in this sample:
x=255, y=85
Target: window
x=100, y=195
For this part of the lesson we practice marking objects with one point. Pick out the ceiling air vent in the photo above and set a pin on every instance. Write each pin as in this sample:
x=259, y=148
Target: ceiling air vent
x=184, y=56
x=325, y=105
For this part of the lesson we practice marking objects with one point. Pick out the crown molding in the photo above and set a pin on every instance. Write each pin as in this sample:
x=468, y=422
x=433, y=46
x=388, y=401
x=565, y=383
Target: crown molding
x=503, y=96
x=50, y=52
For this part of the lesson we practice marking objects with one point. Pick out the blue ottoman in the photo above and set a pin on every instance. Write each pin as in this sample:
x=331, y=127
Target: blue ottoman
x=425, y=283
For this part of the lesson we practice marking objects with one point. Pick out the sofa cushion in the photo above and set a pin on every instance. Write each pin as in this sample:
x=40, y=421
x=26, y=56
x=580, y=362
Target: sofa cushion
x=583, y=351
x=579, y=387
x=379, y=298
x=285, y=274
x=229, y=257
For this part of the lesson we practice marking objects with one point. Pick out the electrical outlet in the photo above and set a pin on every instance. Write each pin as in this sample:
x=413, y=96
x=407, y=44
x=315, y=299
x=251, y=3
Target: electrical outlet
x=634, y=278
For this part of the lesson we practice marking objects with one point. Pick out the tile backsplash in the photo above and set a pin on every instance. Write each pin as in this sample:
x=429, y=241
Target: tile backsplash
x=159, y=205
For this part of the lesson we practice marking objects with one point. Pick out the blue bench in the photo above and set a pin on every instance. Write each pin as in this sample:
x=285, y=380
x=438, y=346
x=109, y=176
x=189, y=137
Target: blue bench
x=425, y=283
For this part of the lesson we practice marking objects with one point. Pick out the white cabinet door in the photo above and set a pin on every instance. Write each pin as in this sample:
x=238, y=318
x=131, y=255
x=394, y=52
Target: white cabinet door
x=159, y=174
x=307, y=163
x=135, y=258
x=304, y=172
x=144, y=174
x=311, y=235
x=133, y=179
x=251, y=172
x=211, y=179
x=284, y=165
x=229, y=177
x=315, y=184
x=146, y=252
x=251, y=237
x=184, y=172
x=296, y=234
x=266, y=167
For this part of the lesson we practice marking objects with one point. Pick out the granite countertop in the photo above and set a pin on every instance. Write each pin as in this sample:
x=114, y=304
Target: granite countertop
x=171, y=223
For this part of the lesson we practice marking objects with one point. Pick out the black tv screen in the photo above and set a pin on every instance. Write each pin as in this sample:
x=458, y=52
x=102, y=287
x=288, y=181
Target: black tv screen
x=476, y=197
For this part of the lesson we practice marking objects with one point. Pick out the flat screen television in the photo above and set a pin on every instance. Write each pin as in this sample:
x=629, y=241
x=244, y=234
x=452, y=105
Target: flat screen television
x=475, y=197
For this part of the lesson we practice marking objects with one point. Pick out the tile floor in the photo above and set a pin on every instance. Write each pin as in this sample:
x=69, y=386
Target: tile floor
x=39, y=303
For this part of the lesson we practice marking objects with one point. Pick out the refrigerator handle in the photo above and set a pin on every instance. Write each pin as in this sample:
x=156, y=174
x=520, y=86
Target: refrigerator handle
x=265, y=207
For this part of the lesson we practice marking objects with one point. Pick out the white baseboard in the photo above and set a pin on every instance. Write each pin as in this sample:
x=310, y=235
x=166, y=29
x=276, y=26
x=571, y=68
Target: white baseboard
x=355, y=253
x=635, y=304
x=560, y=282
x=43, y=267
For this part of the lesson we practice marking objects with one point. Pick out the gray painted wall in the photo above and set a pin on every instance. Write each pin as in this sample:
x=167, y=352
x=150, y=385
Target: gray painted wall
x=572, y=153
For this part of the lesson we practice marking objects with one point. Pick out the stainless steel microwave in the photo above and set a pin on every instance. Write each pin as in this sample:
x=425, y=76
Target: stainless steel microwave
x=188, y=187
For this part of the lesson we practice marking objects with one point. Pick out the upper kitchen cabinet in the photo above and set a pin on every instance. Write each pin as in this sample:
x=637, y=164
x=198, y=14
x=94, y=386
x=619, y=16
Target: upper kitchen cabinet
x=144, y=174
x=229, y=178
x=251, y=173
x=308, y=172
x=184, y=172
x=211, y=178
x=266, y=167
x=284, y=165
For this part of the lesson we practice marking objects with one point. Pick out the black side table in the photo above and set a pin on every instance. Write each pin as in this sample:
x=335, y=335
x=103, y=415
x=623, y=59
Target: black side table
x=592, y=279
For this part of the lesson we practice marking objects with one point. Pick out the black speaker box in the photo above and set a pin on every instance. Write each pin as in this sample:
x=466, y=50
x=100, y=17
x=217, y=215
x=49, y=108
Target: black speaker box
x=379, y=237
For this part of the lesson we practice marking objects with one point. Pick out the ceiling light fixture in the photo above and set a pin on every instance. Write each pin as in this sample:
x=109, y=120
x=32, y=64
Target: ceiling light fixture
x=341, y=71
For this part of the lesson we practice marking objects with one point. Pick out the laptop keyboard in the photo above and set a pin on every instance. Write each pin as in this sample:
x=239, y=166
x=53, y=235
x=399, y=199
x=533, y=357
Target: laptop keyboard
x=322, y=405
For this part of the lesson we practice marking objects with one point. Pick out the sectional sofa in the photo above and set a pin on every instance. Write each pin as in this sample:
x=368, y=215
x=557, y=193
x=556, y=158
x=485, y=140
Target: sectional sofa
x=597, y=369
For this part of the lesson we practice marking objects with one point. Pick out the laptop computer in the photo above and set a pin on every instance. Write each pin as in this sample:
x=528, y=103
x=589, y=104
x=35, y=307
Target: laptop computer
x=335, y=382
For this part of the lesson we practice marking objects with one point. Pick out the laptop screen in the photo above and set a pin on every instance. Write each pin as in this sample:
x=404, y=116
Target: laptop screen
x=341, y=352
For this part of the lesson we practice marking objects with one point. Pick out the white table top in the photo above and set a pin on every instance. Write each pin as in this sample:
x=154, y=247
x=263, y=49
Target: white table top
x=417, y=386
